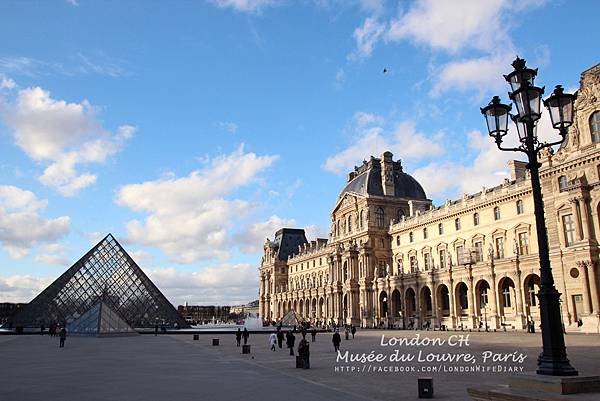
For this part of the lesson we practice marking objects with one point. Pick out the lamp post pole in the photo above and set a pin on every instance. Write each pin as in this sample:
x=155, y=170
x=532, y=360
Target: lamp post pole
x=553, y=359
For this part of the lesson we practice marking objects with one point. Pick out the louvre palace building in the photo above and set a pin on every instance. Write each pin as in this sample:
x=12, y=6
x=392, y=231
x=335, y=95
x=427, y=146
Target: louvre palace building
x=395, y=259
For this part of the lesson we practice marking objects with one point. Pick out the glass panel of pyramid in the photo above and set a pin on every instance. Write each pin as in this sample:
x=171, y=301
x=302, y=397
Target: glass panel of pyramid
x=99, y=321
x=106, y=272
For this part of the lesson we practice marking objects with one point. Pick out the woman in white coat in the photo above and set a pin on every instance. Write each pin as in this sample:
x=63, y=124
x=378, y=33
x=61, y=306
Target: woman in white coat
x=273, y=341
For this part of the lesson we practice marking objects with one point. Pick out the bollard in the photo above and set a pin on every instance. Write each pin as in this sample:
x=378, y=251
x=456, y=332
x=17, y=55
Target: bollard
x=425, y=387
x=246, y=349
x=196, y=337
x=215, y=341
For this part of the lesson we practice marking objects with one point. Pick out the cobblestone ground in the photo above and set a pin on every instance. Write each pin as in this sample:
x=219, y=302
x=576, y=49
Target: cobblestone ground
x=175, y=367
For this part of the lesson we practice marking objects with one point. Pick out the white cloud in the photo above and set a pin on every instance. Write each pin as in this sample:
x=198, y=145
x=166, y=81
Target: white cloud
x=7, y=83
x=73, y=2
x=22, y=288
x=483, y=74
x=366, y=36
x=189, y=217
x=228, y=126
x=21, y=226
x=224, y=284
x=452, y=25
x=252, y=239
x=64, y=134
x=405, y=142
x=53, y=254
x=340, y=79
x=248, y=6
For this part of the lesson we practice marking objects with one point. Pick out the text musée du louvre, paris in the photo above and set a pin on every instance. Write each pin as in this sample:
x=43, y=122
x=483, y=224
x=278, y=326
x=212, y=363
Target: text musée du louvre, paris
x=394, y=259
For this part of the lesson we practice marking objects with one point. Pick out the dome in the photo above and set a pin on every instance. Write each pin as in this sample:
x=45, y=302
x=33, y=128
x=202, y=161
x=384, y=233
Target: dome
x=366, y=180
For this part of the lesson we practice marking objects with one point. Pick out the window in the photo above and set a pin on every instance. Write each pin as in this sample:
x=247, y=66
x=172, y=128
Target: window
x=595, y=126
x=519, y=206
x=350, y=224
x=457, y=224
x=496, y=213
x=476, y=219
x=425, y=233
x=499, y=247
x=413, y=264
x=562, y=183
x=568, y=229
x=427, y=261
x=483, y=295
x=379, y=217
x=314, y=263
x=442, y=258
x=440, y=229
x=463, y=297
x=531, y=293
x=459, y=254
x=397, y=240
x=506, y=294
x=523, y=244
x=478, y=251
x=382, y=269
x=362, y=219
x=411, y=236
x=399, y=214
x=339, y=228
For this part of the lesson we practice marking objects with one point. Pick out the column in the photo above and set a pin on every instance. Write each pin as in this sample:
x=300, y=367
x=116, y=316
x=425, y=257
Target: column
x=587, y=306
x=593, y=277
x=575, y=207
x=584, y=217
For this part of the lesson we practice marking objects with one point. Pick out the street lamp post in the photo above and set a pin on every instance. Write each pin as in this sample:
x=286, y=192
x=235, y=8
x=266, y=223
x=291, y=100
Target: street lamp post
x=526, y=97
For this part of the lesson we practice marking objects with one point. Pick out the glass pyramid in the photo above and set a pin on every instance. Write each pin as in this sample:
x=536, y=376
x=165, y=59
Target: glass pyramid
x=108, y=274
x=99, y=321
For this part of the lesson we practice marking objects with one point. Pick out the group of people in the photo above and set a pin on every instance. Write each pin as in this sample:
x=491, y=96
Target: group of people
x=242, y=334
x=56, y=330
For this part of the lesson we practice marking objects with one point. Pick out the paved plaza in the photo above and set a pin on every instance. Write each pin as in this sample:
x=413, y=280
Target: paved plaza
x=175, y=367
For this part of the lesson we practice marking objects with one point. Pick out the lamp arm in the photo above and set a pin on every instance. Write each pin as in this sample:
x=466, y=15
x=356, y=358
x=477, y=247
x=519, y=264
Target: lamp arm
x=510, y=149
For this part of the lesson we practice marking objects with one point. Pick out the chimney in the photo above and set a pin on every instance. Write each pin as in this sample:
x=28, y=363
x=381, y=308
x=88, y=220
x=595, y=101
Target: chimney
x=387, y=174
x=517, y=169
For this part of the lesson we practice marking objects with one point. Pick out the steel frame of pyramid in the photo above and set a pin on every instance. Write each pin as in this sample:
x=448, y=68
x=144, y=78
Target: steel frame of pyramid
x=106, y=272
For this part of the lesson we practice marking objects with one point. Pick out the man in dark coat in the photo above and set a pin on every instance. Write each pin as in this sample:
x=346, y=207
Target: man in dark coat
x=290, y=340
x=336, y=340
x=63, y=337
x=304, y=353
x=303, y=332
x=238, y=337
x=279, y=337
x=313, y=333
x=353, y=331
x=245, y=334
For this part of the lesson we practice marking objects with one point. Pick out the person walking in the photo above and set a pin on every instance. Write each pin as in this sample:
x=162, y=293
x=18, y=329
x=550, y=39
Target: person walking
x=313, y=333
x=304, y=353
x=353, y=331
x=280, y=338
x=238, y=337
x=272, y=341
x=63, y=337
x=245, y=334
x=336, y=340
x=290, y=340
x=155, y=329
x=303, y=332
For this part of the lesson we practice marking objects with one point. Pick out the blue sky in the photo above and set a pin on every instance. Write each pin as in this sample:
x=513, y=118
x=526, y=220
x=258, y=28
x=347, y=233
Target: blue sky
x=193, y=130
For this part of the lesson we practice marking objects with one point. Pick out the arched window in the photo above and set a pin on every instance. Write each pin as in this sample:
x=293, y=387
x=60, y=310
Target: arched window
x=339, y=228
x=362, y=219
x=476, y=219
x=496, y=213
x=349, y=223
x=411, y=236
x=595, y=126
x=399, y=214
x=519, y=206
x=397, y=240
x=425, y=233
x=506, y=297
x=440, y=229
x=562, y=183
x=457, y=224
x=379, y=217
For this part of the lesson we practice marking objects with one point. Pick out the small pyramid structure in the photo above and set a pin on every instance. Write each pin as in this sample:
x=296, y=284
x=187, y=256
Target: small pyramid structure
x=100, y=321
x=291, y=319
x=105, y=272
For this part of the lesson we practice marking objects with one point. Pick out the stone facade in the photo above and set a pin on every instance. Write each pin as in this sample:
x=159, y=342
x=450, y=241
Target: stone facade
x=394, y=259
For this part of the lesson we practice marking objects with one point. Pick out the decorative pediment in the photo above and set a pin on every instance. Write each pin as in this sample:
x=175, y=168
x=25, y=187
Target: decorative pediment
x=477, y=237
x=458, y=242
x=426, y=249
x=522, y=227
x=441, y=245
x=499, y=232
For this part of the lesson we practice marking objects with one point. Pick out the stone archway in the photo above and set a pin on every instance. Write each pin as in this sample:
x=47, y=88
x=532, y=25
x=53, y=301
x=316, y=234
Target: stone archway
x=531, y=285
